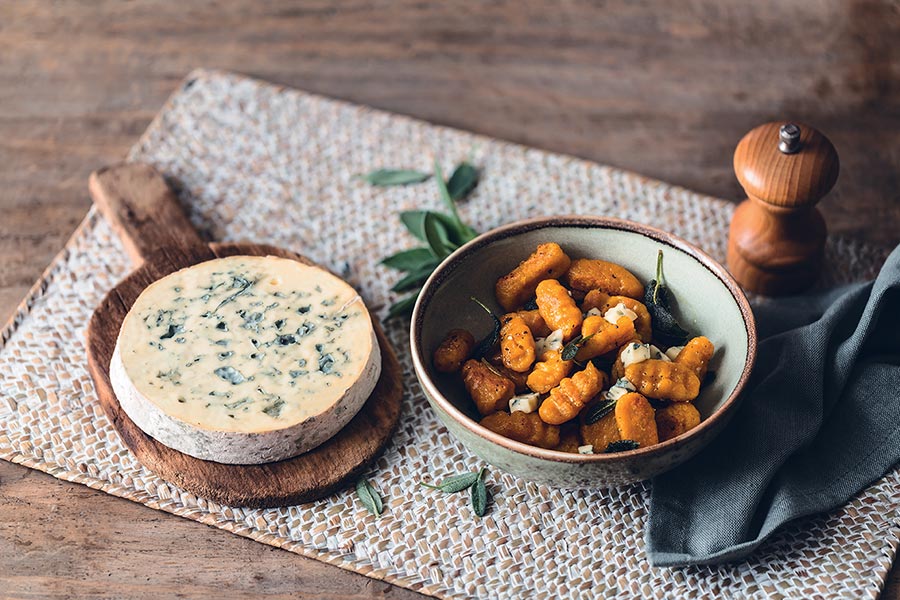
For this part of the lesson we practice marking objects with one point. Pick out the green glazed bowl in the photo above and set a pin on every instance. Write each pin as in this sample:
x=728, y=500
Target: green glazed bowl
x=709, y=302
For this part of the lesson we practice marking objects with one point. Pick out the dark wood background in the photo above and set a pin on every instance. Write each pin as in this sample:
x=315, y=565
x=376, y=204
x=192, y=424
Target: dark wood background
x=662, y=88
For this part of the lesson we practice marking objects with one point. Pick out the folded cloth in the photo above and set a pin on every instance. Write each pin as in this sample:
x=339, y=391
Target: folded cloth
x=819, y=421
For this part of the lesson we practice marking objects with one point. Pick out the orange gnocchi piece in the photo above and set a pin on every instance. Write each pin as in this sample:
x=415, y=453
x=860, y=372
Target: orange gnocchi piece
x=604, y=336
x=558, y=308
x=516, y=344
x=642, y=325
x=520, y=380
x=594, y=299
x=489, y=389
x=635, y=419
x=516, y=288
x=696, y=355
x=568, y=398
x=547, y=373
x=453, y=351
x=591, y=274
x=675, y=419
x=663, y=380
x=527, y=428
x=534, y=321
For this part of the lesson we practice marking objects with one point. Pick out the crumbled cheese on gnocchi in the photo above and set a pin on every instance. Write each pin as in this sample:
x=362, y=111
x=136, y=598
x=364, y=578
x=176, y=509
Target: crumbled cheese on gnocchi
x=618, y=311
x=635, y=353
x=526, y=403
x=674, y=351
x=588, y=449
x=618, y=389
x=594, y=312
x=554, y=341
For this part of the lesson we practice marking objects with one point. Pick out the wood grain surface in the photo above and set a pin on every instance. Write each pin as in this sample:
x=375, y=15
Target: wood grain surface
x=662, y=88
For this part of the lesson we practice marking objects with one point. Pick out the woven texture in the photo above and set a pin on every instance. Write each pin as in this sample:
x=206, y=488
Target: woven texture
x=258, y=162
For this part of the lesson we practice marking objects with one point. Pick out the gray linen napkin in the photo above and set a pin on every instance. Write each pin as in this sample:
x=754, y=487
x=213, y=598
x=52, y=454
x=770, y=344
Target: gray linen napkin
x=819, y=421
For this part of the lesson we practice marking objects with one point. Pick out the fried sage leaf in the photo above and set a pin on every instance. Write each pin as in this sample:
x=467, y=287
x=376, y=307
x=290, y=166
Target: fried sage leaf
x=621, y=446
x=657, y=299
x=600, y=410
x=571, y=349
x=490, y=341
x=389, y=177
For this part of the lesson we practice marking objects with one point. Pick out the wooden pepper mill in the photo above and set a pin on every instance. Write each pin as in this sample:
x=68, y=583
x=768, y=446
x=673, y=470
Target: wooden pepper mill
x=777, y=235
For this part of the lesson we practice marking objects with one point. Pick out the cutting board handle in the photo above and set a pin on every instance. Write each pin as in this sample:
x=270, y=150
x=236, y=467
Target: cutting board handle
x=142, y=209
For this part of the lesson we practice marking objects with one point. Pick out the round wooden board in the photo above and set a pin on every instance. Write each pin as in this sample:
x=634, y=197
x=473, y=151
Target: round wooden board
x=310, y=476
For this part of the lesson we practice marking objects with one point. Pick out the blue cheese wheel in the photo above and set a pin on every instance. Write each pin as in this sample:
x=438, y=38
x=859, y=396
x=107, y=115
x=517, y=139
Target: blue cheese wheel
x=245, y=359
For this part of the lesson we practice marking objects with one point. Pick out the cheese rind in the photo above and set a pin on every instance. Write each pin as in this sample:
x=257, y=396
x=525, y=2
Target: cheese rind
x=245, y=360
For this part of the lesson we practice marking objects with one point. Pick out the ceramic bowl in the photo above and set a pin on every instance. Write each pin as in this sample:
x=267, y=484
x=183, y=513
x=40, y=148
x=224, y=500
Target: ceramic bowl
x=709, y=302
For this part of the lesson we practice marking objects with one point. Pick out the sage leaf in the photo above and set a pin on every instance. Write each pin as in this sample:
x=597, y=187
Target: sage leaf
x=657, y=299
x=456, y=483
x=486, y=345
x=531, y=305
x=462, y=181
x=408, y=260
x=621, y=446
x=599, y=410
x=438, y=239
x=572, y=348
x=478, y=493
x=389, y=177
x=466, y=233
x=414, y=221
x=403, y=307
x=414, y=278
x=369, y=497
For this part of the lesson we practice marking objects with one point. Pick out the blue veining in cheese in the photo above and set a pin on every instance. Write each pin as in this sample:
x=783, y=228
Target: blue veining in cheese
x=246, y=345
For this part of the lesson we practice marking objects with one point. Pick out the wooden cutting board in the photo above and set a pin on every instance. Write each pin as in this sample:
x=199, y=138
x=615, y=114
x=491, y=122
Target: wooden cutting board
x=160, y=239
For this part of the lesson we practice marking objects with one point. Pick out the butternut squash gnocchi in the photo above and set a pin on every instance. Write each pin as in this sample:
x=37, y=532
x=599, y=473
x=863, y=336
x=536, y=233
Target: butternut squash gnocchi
x=578, y=361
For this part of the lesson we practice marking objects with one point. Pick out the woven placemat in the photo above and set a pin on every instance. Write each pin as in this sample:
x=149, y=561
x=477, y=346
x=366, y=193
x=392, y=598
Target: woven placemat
x=257, y=161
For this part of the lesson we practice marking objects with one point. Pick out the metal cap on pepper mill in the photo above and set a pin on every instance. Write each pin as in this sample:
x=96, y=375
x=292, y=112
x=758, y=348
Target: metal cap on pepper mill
x=778, y=235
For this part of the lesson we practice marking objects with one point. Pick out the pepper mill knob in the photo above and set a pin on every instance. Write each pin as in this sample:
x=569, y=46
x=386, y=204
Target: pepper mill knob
x=777, y=235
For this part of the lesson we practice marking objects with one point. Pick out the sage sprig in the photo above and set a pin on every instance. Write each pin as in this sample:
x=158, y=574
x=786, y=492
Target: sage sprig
x=474, y=482
x=369, y=497
x=442, y=232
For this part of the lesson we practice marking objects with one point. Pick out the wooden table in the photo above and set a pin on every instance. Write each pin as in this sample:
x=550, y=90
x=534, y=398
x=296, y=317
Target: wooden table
x=665, y=89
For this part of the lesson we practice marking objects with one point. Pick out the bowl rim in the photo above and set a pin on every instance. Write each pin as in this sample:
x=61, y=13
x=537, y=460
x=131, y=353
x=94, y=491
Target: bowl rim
x=587, y=222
